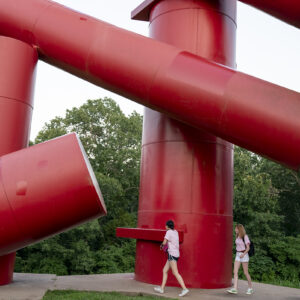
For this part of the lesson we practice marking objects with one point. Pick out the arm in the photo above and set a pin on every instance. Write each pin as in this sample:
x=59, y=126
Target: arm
x=247, y=250
x=247, y=245
x=166, y=238
x=163, y=243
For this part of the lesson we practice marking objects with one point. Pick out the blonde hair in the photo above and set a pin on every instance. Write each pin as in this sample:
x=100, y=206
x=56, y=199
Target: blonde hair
x=242, y=231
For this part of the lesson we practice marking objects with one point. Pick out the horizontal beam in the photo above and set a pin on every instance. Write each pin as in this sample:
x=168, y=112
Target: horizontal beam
x=145, y=234
x=254, y=114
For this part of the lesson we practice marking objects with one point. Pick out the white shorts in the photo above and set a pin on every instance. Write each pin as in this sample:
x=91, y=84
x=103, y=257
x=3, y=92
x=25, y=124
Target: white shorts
x=244, y=259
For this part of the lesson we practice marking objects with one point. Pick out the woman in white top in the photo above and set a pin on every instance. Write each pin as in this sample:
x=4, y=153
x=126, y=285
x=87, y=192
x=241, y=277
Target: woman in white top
x=172, y=239
x=242, y=248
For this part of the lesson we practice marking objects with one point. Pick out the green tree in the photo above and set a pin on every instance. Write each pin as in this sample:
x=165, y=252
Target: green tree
x=262, y=192
x=255, y=198
x=287, y=183
x=112, y=141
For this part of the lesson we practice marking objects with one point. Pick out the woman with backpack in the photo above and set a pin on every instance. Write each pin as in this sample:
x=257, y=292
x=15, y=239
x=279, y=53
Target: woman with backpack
x=242, y=243
x=170, y=245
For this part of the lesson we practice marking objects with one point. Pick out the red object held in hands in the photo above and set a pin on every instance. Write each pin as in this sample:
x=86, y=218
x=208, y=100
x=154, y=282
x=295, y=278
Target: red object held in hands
x=165, y=247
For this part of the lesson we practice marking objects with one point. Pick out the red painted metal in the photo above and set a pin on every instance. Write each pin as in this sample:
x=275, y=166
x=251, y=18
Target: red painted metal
x=285, y=10
x=254, y=114
x=144, y=10
x=17, y=77
x=43, y=193
x=7, y=264
x=145, y=234
x=194, y=169
x=241, y=109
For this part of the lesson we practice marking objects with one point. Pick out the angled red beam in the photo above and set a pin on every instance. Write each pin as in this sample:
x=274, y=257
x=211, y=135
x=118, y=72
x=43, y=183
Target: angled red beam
x=285, y=10
x=241, y=109
x=44, y=190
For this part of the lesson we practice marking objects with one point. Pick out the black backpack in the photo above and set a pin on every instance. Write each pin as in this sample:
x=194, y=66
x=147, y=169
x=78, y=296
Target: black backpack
x=251, y=250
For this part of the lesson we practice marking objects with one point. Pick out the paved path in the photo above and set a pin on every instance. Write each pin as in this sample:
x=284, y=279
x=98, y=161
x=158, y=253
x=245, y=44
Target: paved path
x=34, y=286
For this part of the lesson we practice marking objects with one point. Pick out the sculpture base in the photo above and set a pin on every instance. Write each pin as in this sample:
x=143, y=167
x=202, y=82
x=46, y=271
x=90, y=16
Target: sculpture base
x=7, y=263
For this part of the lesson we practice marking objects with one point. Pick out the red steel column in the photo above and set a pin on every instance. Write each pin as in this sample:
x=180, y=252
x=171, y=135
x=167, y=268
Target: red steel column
x=17, y=76
x=186, y=174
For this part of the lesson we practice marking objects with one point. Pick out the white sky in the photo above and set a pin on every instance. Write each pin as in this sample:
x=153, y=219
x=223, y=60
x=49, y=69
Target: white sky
x=266, y=48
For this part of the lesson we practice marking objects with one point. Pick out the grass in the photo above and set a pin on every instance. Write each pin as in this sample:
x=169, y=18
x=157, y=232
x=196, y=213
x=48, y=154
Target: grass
x=285, y=283
x=277, y=282
x=79, y=295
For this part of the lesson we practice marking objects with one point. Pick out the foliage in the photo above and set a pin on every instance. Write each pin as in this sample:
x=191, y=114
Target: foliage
x=78, y=295
x=287, y=183
x=112, y=142
x=266, y=201
x=259, y=194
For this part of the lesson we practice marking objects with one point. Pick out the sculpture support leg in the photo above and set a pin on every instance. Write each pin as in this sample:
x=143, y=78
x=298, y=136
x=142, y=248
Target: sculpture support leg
x=7, y=263
x=17, y=76
x=187, y=174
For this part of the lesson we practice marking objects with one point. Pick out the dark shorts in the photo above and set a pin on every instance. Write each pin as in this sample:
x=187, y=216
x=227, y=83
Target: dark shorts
x=170, y=257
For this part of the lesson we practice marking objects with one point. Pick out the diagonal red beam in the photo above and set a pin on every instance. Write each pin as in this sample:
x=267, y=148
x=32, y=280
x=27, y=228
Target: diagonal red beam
x=244, y=110
x=285, y=10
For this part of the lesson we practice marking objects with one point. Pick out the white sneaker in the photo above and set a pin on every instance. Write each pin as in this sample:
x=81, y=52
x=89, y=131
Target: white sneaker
x=232, y=291
x=249, y=291
x=158, y=289
x=183, y=292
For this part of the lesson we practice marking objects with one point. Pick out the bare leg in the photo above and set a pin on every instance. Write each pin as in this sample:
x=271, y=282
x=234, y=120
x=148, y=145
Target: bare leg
x=165, y=274
x=245, y=268
x=173, y=264
x=237, y=265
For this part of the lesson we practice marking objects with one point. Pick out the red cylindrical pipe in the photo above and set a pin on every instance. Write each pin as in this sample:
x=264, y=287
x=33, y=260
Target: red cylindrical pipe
x=187, y=173
x=44, y=190
x=285, y=10
x=17, y=77
x=241, y=109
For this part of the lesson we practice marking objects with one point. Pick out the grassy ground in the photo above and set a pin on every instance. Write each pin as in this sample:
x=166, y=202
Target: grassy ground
x=284, y=283
x=78, y=295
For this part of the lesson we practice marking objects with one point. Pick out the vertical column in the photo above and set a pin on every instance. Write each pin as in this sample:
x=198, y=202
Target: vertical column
x=17, y=76
x=187, y=174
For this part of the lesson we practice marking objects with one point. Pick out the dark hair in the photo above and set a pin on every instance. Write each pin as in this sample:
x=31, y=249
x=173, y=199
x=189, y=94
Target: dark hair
x=170, y=224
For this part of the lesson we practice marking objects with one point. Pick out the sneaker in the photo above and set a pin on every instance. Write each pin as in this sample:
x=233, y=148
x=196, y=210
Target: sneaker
x=183, y=292
x=158, y=289
x=249, y=291
x=232, y=291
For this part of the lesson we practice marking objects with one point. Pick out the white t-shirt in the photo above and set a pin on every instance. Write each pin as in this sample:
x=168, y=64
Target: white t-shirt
x=173, y=242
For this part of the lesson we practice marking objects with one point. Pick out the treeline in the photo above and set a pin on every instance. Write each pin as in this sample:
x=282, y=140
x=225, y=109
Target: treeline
x=266, y=201
x=113, y=143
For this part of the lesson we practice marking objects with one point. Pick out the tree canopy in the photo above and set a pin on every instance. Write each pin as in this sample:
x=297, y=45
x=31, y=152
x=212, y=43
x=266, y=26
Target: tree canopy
x=266, y=201
x=112, y=141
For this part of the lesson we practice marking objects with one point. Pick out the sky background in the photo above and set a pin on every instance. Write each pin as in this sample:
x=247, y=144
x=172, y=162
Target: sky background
x=266, y=48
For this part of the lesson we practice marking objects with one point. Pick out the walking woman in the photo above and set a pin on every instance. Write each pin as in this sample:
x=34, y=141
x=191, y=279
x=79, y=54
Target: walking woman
x=242, y=248
x=172, y=239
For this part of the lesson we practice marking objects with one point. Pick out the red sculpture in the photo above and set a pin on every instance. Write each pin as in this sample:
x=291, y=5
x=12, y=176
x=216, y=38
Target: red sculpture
x=186, y=172
x=44, y=189
x=17, y=77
